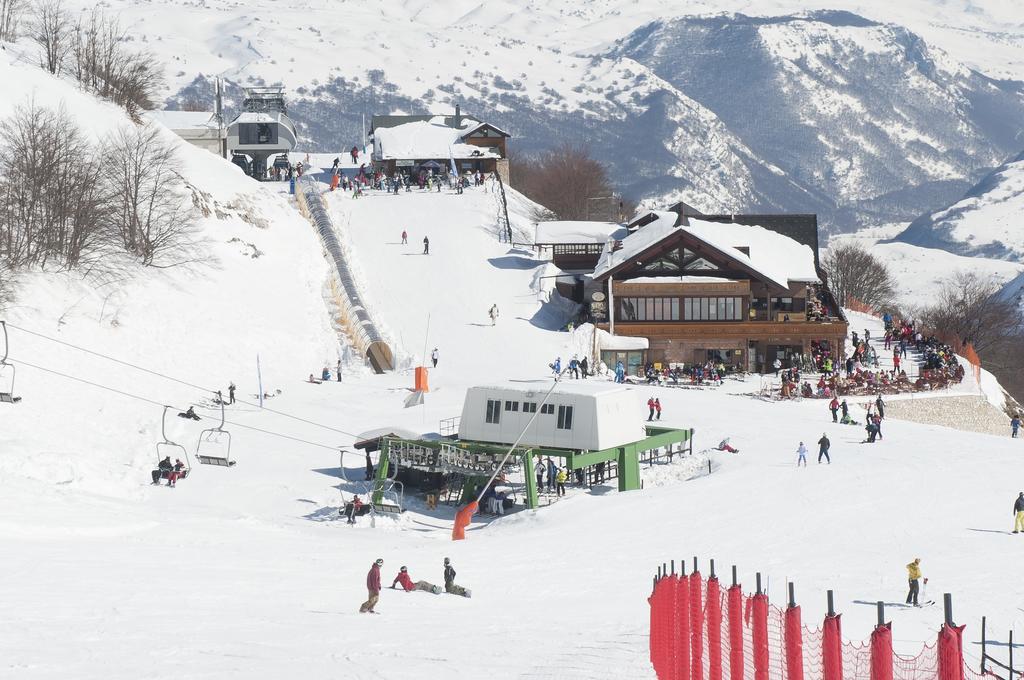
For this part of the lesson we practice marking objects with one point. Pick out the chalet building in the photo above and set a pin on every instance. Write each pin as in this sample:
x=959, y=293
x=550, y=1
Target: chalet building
x=435, y=142
x=199, y=128
x=743, y=290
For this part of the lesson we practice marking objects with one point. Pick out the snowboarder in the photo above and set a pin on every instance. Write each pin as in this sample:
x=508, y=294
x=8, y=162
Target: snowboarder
x=373, y=587
x=823, y=446
x=801, y=453
x=877, y=421
x=190, y=413
x=433, y=357
x=1018, y=510
x=426, y=246
x=176, y=473
x=846, y=410
x=650, y=408
x=657, y=408
x=872, y=430
x=164, y=468
x=405, y=237
x=231, y=393
x=1014, y=426
x=834, y=407
x=556, y=367
x=724, y=445
x=584, y=367
x=913, y=578
x=449, y=581
x=574, y=368
x=880, y=406
x=406, y=581
x=493, y=313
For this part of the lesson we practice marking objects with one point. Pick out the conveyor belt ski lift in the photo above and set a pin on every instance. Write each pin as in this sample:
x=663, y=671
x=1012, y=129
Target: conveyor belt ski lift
x=214, y=446
x=170, y=449
x=7, y=372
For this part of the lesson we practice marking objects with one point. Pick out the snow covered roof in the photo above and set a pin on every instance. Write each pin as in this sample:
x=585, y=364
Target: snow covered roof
x=637, y=242
x=777, y=258
x=579, y=232
x=680, y=279
x=426, y=140
x=607, y=341
x=577, y=387
x=183, y=120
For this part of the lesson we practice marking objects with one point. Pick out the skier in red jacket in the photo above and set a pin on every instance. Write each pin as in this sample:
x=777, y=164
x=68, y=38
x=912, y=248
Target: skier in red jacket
x=373, y=586
x=406, y=581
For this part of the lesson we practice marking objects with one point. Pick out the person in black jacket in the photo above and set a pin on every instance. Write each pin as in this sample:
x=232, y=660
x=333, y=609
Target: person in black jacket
x=163, y=470
x=823, y=446
x=449, y=580
x=880, y=406
x=1018, y=510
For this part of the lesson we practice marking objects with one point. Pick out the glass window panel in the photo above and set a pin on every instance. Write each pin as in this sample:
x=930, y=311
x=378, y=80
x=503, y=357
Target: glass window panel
x=712, y=309
x=675, y=309
x=688, y=309
x=703, y=309
x=721, y=309
x=650, y=309
x=730, y=308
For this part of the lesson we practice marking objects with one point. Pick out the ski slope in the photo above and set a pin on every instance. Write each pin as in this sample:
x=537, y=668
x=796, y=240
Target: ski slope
x=245, y=572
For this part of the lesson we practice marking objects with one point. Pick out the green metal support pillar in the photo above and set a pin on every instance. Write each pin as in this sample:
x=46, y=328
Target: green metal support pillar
x=382, y=472
x=629, y=468
x=531, y=481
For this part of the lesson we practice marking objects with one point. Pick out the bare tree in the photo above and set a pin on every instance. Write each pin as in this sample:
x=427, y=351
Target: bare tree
x=854, y=273
x=10, y=16
x=153, y=213
x=51, y=29
x=52, y=206
x=562, y=180
x=969, y=309
x=102, y=64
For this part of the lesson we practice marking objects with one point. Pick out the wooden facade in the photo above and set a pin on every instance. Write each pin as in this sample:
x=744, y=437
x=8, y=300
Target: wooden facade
x=713, y=307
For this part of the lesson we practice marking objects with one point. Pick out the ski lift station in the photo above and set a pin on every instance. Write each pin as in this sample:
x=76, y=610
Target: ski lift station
x=262, y=129
x=595, y=430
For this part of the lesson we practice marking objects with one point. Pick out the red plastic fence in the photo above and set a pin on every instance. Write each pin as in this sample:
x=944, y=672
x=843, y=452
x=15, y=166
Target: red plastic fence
x=700, y=632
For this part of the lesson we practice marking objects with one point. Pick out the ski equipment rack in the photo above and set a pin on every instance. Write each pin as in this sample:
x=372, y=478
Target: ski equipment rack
x=7, y=372
x=166, y=445
x=214, y=446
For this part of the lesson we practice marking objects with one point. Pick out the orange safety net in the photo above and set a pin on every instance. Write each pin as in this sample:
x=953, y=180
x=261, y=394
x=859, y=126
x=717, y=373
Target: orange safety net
x=700, y=632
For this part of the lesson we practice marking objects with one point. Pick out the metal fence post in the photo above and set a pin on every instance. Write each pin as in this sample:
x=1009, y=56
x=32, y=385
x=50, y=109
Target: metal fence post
x=831, y=603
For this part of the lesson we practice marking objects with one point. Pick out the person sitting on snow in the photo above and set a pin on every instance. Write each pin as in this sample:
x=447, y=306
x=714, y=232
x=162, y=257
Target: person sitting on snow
x=407, y=584
x=724, y=446
x=190, y=413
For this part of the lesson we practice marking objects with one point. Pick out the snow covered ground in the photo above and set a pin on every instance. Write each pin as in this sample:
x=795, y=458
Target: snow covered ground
x=245, y=572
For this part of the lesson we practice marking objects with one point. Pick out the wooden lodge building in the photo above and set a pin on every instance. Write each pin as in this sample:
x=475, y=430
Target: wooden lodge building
x=743, y=290
x=434, y=142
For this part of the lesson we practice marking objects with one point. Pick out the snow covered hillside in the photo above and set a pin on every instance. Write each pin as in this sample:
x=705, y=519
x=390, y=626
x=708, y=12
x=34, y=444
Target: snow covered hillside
x=662, y=92
x=985, y=222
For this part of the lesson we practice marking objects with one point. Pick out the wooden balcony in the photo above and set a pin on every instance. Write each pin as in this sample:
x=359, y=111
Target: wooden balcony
x=710, y=330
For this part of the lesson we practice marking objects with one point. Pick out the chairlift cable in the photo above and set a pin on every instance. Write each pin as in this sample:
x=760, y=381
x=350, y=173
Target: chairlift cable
x=161, y=404
x=179, y=381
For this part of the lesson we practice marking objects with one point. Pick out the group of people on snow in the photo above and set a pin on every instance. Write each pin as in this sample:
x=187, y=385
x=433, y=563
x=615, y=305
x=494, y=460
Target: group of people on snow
x=403, y=579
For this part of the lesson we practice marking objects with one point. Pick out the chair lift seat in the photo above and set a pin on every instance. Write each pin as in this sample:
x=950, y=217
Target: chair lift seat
x=388, y=508
x=214, y=460
x=6, y=398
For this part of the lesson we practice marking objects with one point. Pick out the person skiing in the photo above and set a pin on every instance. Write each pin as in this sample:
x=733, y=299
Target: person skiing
x=1018, y=511
x=538, y=470
x=823, y=447
x=493, y=313
x=657, y=408
x=834, y=407
x=433, y=357
x=373, y=587
x=407, y=584
x=449, y=580
x=650, y=407
x=801, y=453
x=405, y=237
x=231, y=393
x=1014, y=426
x=426, y=246
x=913, y=578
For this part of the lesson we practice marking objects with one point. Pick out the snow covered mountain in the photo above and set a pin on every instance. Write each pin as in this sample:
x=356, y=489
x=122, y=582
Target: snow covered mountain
x=984, y=223
x=873, y=114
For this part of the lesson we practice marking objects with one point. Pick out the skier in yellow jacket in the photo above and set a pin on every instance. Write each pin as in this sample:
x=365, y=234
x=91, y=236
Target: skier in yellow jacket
x=914, y=576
